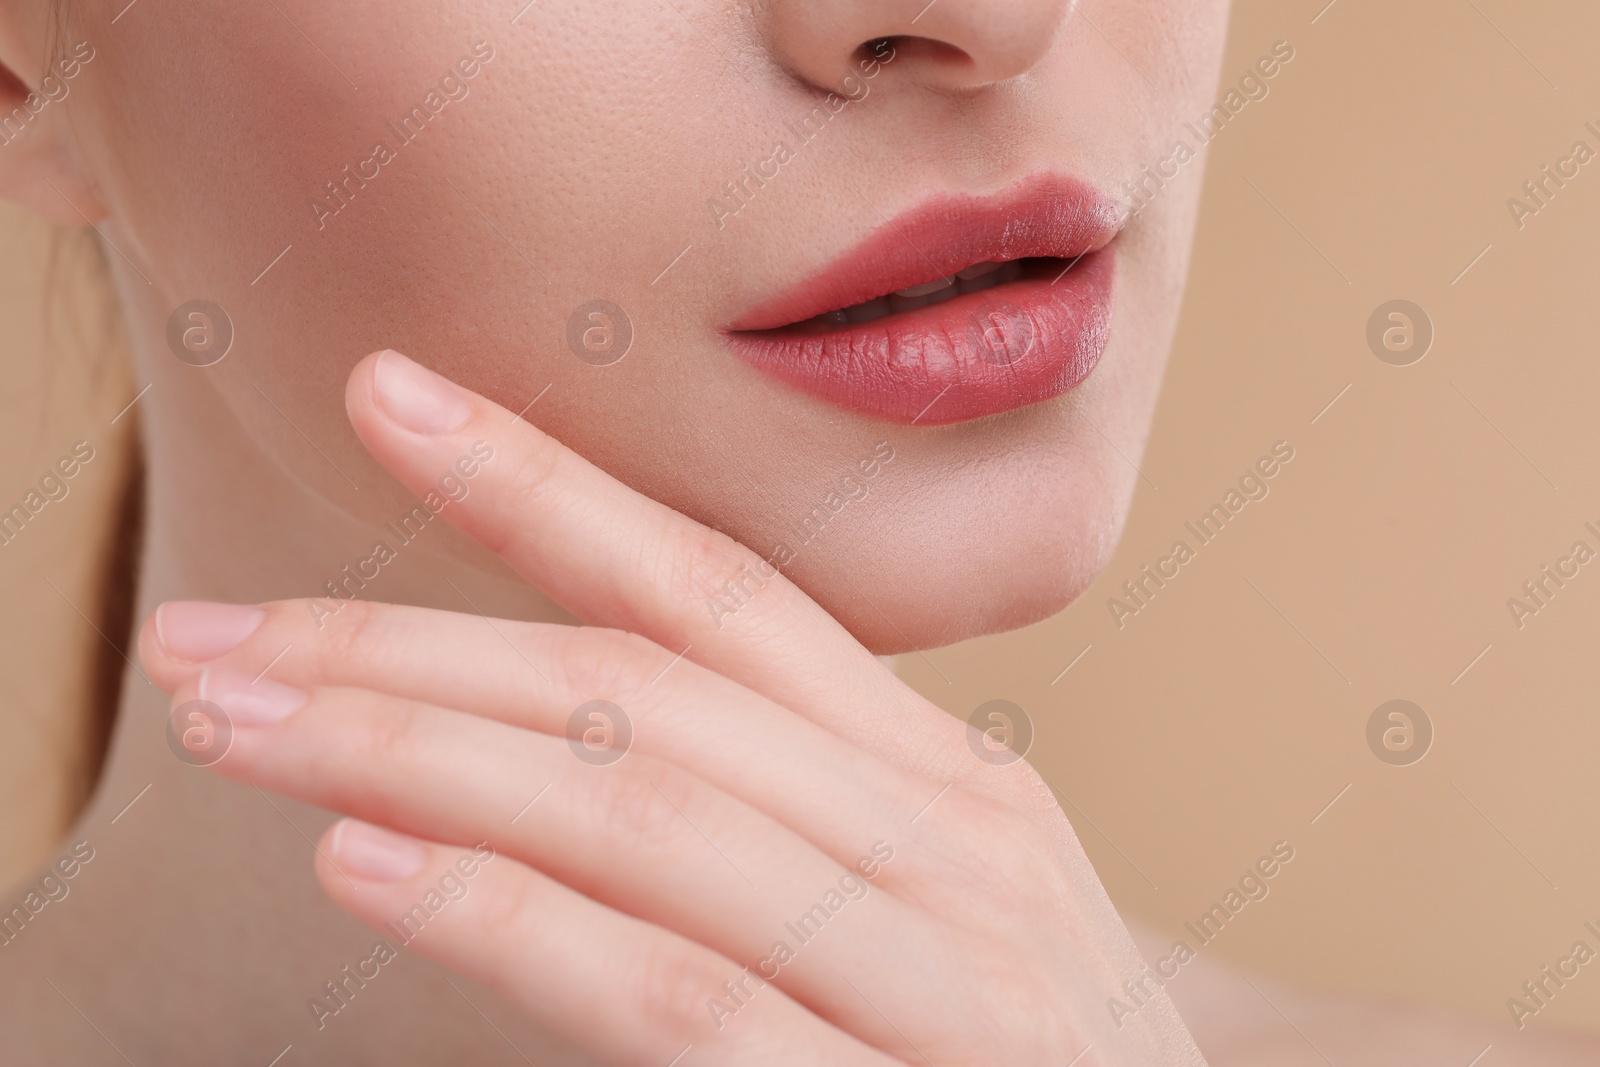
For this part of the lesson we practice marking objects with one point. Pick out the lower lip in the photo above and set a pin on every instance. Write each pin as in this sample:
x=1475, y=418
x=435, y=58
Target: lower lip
x=974, y=355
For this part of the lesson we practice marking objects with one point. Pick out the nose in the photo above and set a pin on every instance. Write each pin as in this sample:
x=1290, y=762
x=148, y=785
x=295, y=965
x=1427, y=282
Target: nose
x=953, y=45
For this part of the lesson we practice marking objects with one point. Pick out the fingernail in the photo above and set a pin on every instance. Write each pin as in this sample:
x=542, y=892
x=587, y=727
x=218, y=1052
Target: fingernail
x=247, y=701
x=197, y=630
x=376, y=854
x=417, y=398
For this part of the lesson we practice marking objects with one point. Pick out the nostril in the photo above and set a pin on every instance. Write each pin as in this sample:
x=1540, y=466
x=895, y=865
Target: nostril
x=905, y=48
x=876, y=48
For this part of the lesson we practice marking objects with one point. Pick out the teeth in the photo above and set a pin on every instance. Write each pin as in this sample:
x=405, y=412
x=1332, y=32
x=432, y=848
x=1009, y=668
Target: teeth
x=927, y=288
x=977, y=277
x=912, y=303
x=998, y=274
x=984, y=281
x=978, y=270
x=872, y=309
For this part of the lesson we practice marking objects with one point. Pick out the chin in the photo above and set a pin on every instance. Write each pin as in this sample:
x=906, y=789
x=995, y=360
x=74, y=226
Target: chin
x=969, y=557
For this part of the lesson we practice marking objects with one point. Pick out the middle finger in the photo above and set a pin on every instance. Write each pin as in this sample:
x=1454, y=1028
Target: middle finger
x=538, y=676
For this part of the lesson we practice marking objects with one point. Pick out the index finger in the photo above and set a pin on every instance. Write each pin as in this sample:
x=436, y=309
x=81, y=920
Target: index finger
x=614, y=557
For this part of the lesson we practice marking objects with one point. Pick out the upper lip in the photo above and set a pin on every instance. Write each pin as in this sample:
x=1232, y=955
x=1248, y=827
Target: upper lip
x=1049, y=214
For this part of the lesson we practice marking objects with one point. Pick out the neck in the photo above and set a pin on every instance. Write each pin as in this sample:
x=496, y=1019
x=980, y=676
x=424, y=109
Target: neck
x=207, y=885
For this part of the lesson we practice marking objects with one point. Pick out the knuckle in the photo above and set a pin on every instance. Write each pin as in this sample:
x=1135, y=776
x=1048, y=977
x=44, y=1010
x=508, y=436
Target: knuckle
x=1020, y=785
x=538, y=463
x=615, y=664
x=1016, y=784
x=393, y=732
x=536, y=471
x=673, y=984
x=631, y=802
x=511, y=910
x=993, y=850
x=534, y=466
x=346, y=637
x=695, y=563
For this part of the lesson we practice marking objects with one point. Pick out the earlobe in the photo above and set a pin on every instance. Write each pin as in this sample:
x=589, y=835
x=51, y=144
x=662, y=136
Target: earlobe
x=39, y=165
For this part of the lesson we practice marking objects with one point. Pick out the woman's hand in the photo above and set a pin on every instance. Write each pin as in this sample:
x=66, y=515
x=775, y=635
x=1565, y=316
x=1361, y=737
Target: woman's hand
x=775, y=852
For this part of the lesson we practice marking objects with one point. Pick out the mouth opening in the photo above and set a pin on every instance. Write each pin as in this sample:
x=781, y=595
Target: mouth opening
x=971, y=279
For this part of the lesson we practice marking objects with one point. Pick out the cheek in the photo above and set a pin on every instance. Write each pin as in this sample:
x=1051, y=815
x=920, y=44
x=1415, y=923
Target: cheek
x=474, y=247
x=250, y=180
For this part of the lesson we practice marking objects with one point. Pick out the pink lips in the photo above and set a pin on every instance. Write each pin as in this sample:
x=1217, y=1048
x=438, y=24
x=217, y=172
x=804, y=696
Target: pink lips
x=976, y=354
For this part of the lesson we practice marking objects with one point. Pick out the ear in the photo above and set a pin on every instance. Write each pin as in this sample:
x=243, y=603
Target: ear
x=40, y=167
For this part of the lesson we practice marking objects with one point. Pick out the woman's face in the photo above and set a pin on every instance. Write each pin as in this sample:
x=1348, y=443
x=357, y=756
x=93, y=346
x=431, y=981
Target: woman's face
x=514, y=194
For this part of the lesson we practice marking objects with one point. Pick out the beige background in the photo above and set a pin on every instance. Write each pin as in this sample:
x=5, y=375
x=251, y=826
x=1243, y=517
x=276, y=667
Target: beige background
x=63, y=378
x=1212, y=725
x=1226, y=715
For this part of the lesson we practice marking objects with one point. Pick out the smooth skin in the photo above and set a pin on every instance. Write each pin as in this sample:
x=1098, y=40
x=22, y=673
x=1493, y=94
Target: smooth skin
x=767, y=760
x=624, y=900
x=584, y=158
x=581, y=165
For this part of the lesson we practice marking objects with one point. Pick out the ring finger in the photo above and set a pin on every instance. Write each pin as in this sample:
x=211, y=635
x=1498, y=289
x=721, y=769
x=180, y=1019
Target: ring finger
x=619, y=988
x=642, y=835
